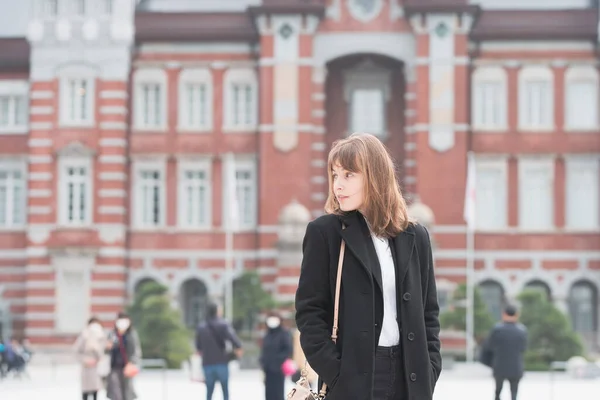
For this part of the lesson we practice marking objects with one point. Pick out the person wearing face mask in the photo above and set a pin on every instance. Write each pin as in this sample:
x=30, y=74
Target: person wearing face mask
x=276, y=349
x=89, y=348
x=125, y=356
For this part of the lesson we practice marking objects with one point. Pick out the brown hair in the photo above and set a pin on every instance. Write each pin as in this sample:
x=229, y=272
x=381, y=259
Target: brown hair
x=384, y=208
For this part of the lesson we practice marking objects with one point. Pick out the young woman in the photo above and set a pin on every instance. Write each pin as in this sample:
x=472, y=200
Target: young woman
x=388, y=345
x=90, y=349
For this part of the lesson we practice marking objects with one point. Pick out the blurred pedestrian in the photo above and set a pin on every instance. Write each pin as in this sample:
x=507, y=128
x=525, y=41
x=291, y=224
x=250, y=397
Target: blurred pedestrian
x=89, y=348
x=504, y=351
x=276, y=349
x=125, y=356
x=217, y=344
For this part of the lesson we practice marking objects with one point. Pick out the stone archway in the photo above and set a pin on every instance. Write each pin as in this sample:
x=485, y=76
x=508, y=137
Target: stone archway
x=193, y=299
x=540, y=286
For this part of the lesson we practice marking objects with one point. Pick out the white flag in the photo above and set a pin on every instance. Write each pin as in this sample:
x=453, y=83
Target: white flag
x=470, y=193
x=232, y=206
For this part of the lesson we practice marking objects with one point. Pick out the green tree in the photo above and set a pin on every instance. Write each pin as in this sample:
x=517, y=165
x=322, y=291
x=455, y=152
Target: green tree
x=456, y=317
x=249, y=299
x=551, y=337
x=160, y=327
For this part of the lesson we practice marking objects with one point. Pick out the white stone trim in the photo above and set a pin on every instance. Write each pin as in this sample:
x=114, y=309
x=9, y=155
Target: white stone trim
x=534, y=45
x=39, y=210
x=112, y=159
x=196, y=48
x=39, y=193
x=41, y=110
x=114, y=110
x=40, y=142
x=329, y=46
x=116, y=125
x=40, y=176
x=111, y=210
x=112, y=176
x=113, y=94
x=116, y=142
x=41, y=126
x=42, y=94
x=40, y=159
x=112, y=193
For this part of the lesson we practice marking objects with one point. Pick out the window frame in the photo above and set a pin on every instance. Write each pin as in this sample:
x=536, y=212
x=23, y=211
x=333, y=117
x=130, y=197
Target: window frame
x=500, y=164
x=201, y=77
x=149, y=76
x=240, y=76
x=573, y=162
x=137, y=168
x=14, y=89
x=16, y=164
x=204, y=165
x=248, y=164
x=64, y=163
x=577, y=74
x=77, y=73
x=527, y=75
x=523, y=164
x=486, y=75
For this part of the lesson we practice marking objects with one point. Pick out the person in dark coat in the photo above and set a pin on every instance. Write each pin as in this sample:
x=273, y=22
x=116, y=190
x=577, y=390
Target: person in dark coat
x=212, y=338
x=504, y=351
x=388, y=345
x=276, y=348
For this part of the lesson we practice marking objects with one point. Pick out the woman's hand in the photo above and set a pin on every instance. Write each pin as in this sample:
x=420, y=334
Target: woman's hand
x=90, y=362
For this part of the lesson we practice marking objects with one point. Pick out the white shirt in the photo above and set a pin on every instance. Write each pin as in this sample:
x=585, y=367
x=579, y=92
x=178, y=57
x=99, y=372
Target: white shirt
x=390, y=334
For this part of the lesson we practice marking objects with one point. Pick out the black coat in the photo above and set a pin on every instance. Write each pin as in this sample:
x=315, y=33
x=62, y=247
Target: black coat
x=276, y=348
x=347, y=367
x=505, y=348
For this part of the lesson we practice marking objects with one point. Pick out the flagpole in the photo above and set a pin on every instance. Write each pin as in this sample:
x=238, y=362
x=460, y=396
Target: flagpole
x=230, y=176
x=470, y=328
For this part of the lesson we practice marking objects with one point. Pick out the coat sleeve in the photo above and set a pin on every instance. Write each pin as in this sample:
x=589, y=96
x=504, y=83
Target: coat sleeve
x=431, y=308
x=314, y=308
x=136, y=357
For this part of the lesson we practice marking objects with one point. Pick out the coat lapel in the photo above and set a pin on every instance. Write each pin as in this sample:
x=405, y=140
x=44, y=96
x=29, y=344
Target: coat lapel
x=358, y=241
x=403, y=246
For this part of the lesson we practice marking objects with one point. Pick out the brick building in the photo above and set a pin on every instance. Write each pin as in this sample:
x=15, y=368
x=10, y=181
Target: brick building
x=116, y=117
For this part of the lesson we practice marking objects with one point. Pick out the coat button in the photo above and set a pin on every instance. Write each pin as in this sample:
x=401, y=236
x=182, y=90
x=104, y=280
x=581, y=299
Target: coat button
x=406, y=297
x=413, y=377
x=411, y=336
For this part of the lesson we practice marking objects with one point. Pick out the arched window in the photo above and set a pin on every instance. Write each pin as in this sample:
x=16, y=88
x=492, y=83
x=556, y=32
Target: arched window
x=489, y=98
x=540, y=286
x=581, y=98
x=193, y=298
x=583, y=307
x=492, y=294
x=536, y=98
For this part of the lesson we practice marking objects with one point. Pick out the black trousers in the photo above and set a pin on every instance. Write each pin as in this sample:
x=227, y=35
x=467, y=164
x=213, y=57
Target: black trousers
x=388, y=383
x=514, y=386
x=274, y=385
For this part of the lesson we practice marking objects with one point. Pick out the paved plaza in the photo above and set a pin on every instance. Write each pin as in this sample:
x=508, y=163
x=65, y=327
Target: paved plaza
x=461, y=383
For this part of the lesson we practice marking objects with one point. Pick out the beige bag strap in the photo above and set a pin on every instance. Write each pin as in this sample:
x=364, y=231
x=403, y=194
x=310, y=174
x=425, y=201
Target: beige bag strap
x=336, y=305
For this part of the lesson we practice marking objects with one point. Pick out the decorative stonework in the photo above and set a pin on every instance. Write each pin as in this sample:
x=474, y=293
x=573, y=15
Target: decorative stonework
x=110, y=234
x=75, y=150
x=38, y=234
x=365, y=10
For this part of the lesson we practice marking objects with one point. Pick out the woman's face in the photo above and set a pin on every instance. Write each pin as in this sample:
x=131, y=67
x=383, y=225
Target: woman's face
x=348, y=188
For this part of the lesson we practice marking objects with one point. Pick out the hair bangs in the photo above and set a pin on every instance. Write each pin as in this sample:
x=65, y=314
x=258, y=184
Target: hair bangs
x=347, y=156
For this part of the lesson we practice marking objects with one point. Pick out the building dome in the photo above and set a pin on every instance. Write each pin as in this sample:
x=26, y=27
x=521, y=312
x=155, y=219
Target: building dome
x=294, y=213
x=421, y=212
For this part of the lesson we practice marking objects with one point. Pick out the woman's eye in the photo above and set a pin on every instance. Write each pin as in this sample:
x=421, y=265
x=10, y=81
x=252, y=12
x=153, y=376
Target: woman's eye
x=349, y=174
